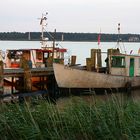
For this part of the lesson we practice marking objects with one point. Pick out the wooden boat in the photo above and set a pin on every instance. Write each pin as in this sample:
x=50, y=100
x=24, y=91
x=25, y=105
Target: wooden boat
x=121, y=70
x=37, y=58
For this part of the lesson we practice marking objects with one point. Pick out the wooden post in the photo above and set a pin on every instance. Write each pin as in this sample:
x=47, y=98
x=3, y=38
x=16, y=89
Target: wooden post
x=1, y=78
x=93, y=57
x=73, y=60
x=99, y=59
x=89, y=64
x=27, y=77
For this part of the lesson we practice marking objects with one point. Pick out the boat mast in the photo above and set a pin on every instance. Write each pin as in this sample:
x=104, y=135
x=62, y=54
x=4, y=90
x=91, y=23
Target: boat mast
x=54, y=43
x=43, y=24
x=118, y=41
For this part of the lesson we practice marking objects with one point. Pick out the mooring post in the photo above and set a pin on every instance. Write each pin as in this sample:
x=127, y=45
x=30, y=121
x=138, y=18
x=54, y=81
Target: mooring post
x=27, y=76
x=93, y=58
x=89, y=64
x=1, y=79
x=73, y=60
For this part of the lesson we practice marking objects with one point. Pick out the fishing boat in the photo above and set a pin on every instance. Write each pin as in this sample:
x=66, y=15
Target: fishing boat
x=40, y=59
x=122, y=70
x=37, y=58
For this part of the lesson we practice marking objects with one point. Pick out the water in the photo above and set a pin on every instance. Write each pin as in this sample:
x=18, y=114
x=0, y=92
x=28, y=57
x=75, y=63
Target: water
x=80, y=49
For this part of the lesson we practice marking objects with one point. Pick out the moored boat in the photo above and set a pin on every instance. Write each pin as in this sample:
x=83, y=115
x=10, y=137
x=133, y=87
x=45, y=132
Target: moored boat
x=37, y=58
x=121, y=71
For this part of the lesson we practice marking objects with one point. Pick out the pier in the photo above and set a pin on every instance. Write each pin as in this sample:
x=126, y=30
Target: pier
x=27, y=81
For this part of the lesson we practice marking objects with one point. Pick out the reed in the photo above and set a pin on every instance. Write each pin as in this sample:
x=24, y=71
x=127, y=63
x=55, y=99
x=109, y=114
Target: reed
x=112, y=119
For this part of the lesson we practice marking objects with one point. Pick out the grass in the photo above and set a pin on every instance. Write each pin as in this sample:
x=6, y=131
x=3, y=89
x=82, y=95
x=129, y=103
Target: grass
x=113, y=119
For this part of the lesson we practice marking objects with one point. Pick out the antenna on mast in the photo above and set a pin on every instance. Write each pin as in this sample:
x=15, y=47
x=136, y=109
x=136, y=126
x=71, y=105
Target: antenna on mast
x=119, y=33
x=43, y=24
x=119, y=39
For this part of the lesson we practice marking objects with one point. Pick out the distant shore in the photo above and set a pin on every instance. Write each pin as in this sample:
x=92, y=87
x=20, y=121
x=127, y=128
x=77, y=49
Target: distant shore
x=61, y=36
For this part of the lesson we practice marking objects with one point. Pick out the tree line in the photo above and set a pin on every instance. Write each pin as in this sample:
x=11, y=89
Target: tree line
x=36, y=36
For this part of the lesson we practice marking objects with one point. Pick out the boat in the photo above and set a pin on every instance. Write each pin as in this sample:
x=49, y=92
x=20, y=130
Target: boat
x=121, y=71
x=37, y=58
x=40, y=59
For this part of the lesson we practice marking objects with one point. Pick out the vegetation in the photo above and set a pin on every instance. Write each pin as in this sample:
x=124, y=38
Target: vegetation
x=69, y=36
x=100, y=120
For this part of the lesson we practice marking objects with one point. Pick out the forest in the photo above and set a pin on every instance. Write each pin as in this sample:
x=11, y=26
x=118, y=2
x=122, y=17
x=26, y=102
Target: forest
x=63, y=36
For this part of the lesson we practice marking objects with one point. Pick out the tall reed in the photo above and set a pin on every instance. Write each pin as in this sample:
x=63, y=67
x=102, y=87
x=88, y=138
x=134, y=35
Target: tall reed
x=113, y=119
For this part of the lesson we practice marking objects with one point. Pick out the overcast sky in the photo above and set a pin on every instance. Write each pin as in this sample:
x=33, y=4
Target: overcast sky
x=71, y=15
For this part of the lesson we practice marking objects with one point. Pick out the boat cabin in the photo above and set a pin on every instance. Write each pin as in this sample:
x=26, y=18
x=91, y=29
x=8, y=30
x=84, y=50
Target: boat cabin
x=116, y=63
x=35, y=57
x=126, y=65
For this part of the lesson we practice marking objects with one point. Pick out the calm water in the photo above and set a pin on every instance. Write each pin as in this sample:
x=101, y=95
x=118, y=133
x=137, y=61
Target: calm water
x=80, y=49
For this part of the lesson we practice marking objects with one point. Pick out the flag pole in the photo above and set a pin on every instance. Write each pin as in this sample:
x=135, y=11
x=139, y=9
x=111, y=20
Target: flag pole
x=99, y=39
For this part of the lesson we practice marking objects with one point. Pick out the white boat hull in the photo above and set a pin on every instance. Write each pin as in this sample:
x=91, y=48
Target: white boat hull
x=68, y=77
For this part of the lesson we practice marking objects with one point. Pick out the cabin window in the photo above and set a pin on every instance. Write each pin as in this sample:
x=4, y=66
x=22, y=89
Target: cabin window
x=118, y=61
x=46, y=55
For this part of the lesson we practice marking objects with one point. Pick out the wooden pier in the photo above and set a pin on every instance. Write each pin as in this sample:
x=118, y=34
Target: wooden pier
x=27, y=81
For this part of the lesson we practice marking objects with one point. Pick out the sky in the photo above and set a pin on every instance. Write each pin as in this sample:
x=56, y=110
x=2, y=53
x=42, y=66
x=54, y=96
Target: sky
x=89, y=16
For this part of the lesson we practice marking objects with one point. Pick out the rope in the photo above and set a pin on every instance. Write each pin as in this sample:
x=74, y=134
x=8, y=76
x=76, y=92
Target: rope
x=119, y=46
x=58, y=44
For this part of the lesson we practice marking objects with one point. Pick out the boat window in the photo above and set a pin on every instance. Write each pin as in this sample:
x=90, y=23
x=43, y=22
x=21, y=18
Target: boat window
x=46, y=55
x=118, y=61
